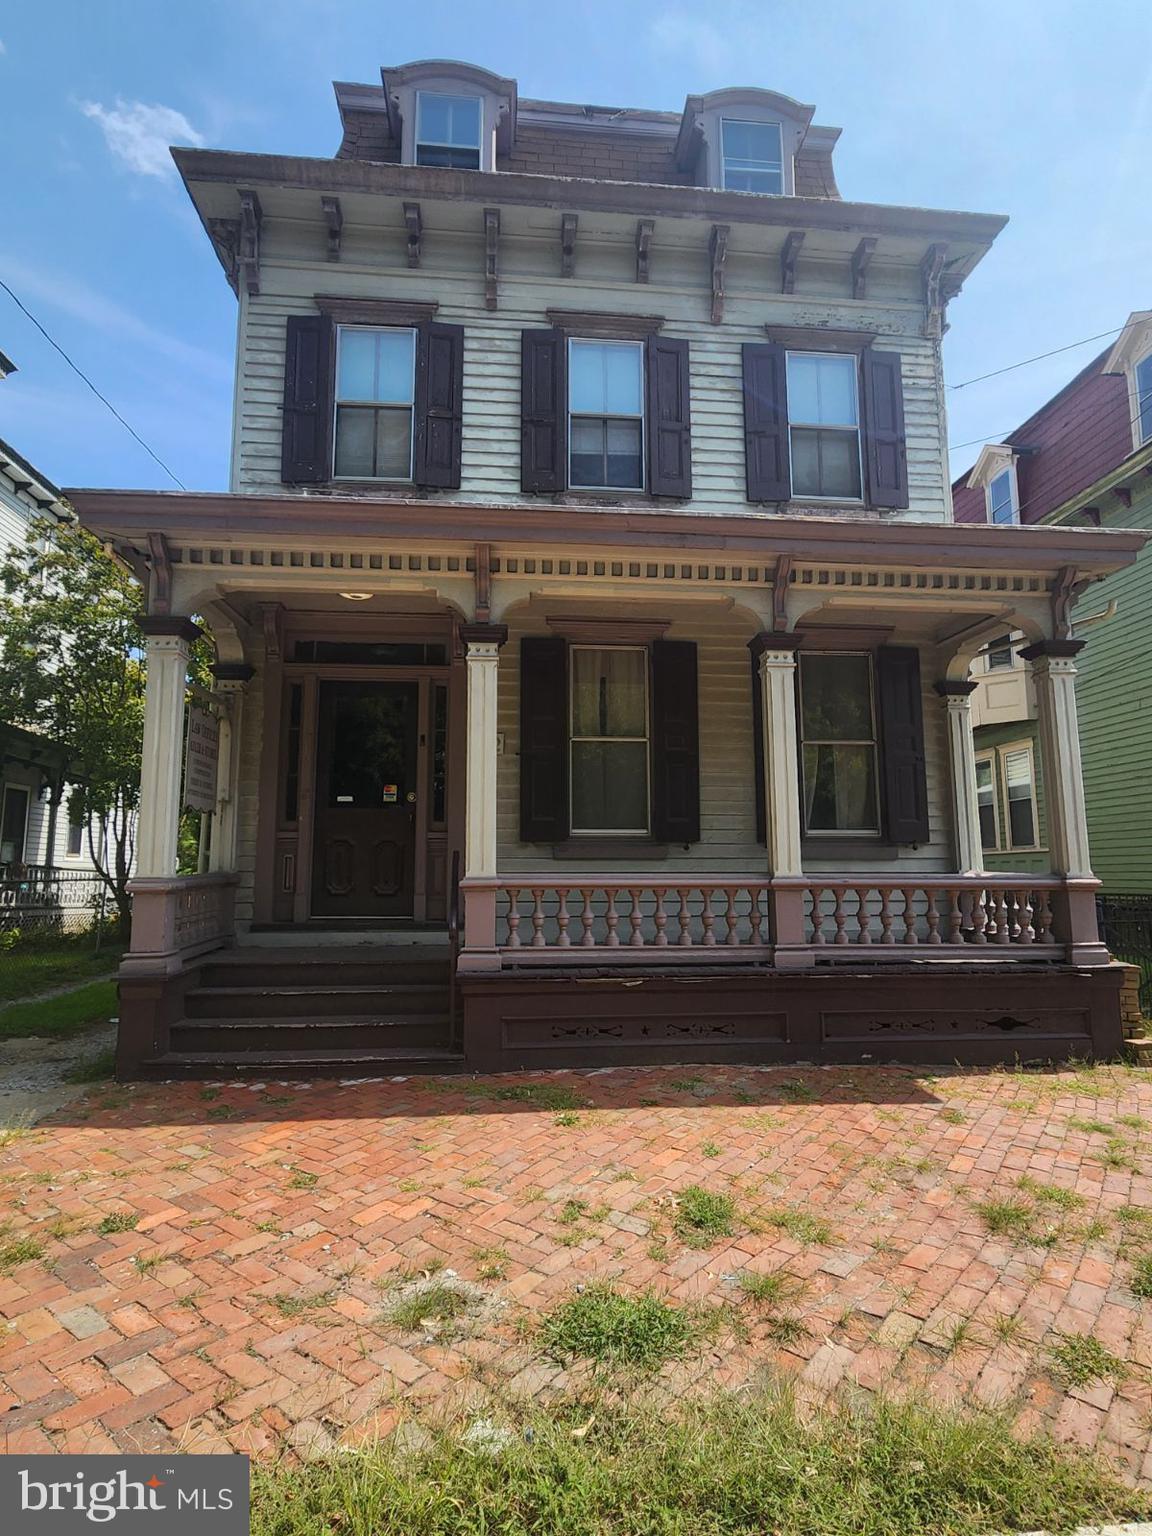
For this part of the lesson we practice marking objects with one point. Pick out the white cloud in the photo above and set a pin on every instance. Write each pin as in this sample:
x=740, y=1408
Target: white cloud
x=679, y=32
x=139, y=134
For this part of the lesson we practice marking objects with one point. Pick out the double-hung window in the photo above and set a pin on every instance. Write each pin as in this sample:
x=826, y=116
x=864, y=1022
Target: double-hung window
x=752, y=156
x=1002, y=497
x=838, y=743
x=1000, y=656
x=448, y=130
x=375, y=391
x=1144, y=399
x=609, y=739
x=1006, y=799
x=986, y=802
x=1020, y=797
x=824, y=425
x=606, y=414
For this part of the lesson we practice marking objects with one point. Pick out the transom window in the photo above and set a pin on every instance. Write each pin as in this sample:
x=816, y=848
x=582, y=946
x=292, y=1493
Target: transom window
x=824, y=425
x=1002, y=497
x=838, y=743
x=606, y=414
x=1144, y=398
x=375, y=388
x=609, y=737
x=448, y=130
x=752, y=156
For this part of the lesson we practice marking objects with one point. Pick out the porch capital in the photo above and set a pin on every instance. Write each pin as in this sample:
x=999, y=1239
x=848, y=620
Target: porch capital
x=1053, y=650
x=175, y=626
x=235, y=672
x=954, y=688
x=484, y=634
x=774, y=640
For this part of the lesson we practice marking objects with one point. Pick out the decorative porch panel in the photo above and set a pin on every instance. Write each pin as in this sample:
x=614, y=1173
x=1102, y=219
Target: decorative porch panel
x=176, y=918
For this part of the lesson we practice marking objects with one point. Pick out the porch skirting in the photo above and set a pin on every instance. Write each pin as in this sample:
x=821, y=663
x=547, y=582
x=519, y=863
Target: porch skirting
x=930, y=1013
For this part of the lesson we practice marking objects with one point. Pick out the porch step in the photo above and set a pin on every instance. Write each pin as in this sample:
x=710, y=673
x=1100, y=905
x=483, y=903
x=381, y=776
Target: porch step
x=365, y=966
x=286, y=1001
x=1141, y=1051
x=381, y=1061
x=349, y=1033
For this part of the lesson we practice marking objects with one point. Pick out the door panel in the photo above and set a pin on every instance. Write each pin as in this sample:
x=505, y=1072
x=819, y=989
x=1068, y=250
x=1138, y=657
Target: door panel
x=364, y=846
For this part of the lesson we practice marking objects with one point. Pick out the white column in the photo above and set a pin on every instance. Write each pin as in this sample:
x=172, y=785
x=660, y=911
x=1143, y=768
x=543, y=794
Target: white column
x=231, y=684
x=166, y=651
x=483, y=643
x=1054, y=673
x=777, y=664
x=962, y=760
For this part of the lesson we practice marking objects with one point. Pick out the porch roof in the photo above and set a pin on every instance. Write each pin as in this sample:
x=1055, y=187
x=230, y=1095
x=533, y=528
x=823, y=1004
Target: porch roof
x=126, y=517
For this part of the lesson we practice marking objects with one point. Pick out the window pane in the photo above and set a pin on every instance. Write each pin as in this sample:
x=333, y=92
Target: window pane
x=609, y=692
x=377, y=365
x=840, y=789
x=986, y=803
x=374, y=444
x=448, y=120
x=822, y=390
x=742, y=178
x=394, y=444
x=1021, y=818
x=355, y=433
x=1000, y=497
x=605, y=378
x=356, y=379
x=624, y=467
x=1144, y=397
x=1000, y=654
x=587, y=452
x=609, y=786
x=837, y=698
x=605, y=453
x=825, y=463
x=751, y=141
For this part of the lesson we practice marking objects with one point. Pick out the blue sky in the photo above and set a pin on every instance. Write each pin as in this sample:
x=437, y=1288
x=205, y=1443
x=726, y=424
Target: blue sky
x=1041, y=109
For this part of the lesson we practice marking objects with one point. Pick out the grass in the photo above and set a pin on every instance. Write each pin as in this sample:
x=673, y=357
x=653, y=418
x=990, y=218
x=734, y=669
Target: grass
x=491, y=1263
x=554, y=1096
x=29, y=969
x=642, y=1331
x=118, y=1221
x=702, y=1216
x=301, y=1179
x=289, y=1305
x=1078, y=1359
x=802, y=1226
x=725, y=1467
x=15, y=1251
x=1141, y=1282
x=93, y=1069
x=771, y=1289
x=438, y=1303
x=58, y=1017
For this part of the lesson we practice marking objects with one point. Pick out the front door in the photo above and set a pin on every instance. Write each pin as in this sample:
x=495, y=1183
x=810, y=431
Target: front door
x=365, y=833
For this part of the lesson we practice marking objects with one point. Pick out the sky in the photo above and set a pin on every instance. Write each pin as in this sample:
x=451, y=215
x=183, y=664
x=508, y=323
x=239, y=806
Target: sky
x=1041, y=109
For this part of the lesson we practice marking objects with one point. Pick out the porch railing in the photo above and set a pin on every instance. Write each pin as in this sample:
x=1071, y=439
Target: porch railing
x=175, y=919
x=854, y=915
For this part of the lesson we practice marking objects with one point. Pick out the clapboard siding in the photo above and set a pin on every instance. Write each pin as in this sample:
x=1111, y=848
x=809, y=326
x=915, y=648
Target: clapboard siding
x=291, y=276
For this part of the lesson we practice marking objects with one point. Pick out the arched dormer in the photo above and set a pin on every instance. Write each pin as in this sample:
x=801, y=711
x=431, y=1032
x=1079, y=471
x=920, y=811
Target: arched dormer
x=448, y=113
x=743, y=139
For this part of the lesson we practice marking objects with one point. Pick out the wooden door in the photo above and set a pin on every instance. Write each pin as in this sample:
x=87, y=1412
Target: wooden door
x=366, y=788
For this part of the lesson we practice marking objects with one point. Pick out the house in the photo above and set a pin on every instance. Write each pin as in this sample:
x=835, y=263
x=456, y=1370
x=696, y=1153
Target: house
x=588, y=607
x=1083, y=459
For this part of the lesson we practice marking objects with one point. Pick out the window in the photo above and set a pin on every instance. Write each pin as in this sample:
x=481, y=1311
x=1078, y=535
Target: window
x=752, y=156
x=1000, y=655
x=824, y=425
x=75, y=846
x=1144, y=399
x=609, y=739
x=606, y=414
x=375, y=388
x=1020, y=797
x=1002, y=497
x=13, y=824
x=448, y=130
x=986, y=802
x=838, y=738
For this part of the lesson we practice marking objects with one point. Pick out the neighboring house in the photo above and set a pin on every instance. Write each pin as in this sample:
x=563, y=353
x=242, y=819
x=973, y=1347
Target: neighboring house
x=590, y=535
x=1084, y=458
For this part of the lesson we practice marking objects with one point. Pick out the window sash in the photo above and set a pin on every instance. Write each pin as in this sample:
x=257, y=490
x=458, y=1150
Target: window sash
x=385, y=405
x=1143, y=375
x=1000, y=656
x=1002, y=501
x=577, y=739
x=987, y=809
x=735, y=166
x=1019, y=791
x=826, y=432
x=867, y=744
x=606, y=419
x=424, y=140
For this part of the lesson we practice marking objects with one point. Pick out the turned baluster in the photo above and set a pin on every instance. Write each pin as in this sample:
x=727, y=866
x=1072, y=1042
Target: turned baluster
x=683, y=894
x=839, y=916
x=1003, y=933
x=979, y=917
x=514, y=918
x=587, y=939
x=932, y=913
x=909, y=915
x=709, y=918
x=612, y=918
x=636, y=918
x=863, y=926
x=755, y=917
x=538, y=919
x=562, y=939
x=1043, y=909
x=660, y=917
x=955, y=918
x=730, y=917
x=886, y=934
x=817, y=915
x=1025, y=931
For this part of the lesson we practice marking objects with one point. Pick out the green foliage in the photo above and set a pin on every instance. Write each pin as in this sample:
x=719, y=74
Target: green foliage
x=93, y=1069
x=601, y=1325
x=1078, y=1359
x=440, y=1302
x=30, y=967
x=58, y=1017
x=18, y=1250
x=118, y=1221
x=702, y=1216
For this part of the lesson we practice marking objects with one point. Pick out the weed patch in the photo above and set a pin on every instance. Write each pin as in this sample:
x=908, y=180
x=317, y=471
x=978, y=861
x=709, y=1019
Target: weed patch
x=702, y=1216
x=18, y=1250
x=290, y=1304
x=118, y=1221
x=1078, y=1359
x=614, y=1330
x=802, y=1226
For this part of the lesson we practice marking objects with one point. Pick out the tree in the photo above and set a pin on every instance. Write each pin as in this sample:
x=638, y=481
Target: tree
x=71, y=669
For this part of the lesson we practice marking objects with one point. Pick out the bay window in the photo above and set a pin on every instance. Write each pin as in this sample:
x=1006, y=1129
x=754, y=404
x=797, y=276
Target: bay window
x=606, y=414
x=838, y=743
x=824, y=425
x=609, y=739
x=374, y=399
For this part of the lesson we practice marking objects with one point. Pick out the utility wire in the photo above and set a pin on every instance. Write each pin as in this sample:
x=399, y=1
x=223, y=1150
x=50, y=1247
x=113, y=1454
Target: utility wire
x=82, y=375
x=1055, y=352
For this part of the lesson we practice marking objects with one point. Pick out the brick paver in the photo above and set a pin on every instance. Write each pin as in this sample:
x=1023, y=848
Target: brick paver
x=246, y=1309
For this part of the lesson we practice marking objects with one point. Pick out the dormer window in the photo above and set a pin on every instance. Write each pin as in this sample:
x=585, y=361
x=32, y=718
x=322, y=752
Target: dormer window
x=1144, y=399
x=752, y=155
x=448, y=130
x=1001, y=494
x=995, y=474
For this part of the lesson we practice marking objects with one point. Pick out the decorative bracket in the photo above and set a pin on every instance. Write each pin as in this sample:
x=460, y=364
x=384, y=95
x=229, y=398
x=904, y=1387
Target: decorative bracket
x=788, y=261
x=483, y=582
x=414, y=224
x=931, y=274
x=225, y=236
x=861, y=261
x=160, y=575
x=644, y=232
x=335, y=221
x=491, y=256
x=248, y=257
x=718, y=250
x=270, y=621
x=1065, y=591
x=568, y=223
x=780, y=580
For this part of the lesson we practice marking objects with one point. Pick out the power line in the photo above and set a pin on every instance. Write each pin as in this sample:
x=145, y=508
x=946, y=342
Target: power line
x=1055, y=352
x=82, y=375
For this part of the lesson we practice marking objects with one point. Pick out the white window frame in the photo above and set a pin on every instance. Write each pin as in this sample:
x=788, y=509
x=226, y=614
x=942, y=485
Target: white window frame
x=810, y=426
x=645, y=831
x=1143, y=360
x=994, y=648
x=418, y=142
x=874, y=743
x=1003, y=751
x=989, y=758
x=1007, y=468
x=26, y=791
x=613, y=490
x=409, y=478
x=754, y=122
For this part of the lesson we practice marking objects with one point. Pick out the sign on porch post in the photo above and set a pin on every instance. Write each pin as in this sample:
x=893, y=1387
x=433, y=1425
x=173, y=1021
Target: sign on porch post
x=200, y=759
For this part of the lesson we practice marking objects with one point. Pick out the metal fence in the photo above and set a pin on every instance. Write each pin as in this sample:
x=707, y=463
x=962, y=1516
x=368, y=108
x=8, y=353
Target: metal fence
x=1126, y=926
x=40, y=903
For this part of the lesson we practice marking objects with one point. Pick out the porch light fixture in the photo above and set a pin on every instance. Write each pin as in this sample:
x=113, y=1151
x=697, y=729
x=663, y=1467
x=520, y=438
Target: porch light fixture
x=356, y=597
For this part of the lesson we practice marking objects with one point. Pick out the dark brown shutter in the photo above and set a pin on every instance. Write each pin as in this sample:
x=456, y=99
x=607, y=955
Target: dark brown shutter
x=306, y=438
x=766, y=422
x=885, y=449
x=543, y=739
x=758, y=752
x=543, y=409
x=439, y=411
x=902, y=743
x=669, y=418
x=675, y=743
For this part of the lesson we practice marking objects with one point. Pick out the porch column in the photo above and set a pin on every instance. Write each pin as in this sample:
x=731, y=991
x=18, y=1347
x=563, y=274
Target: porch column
x=167, y=653
x=1074, y=908
x=776, y=665
x=232, y=678
x=957, y=697
x=482, y=659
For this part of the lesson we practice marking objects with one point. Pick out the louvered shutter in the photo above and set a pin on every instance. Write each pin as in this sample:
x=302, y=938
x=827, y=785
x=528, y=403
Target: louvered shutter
x=885, y=449
x=675, y=743
x=439, y=408
x=543, y=739
x=306, y=436
x=543, y=409
x=902, y=743
x=766, y=422
x=669, y=418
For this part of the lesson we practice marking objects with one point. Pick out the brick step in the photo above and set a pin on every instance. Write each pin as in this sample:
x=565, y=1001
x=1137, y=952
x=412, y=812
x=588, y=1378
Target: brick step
x=382, y=1061
x=324, y=1000
x=356, y=1032
x=266, y=970
x=1141, y=1051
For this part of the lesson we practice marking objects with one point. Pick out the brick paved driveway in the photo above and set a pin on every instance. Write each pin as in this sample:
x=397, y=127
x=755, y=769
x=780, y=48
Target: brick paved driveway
x=210, y=1268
